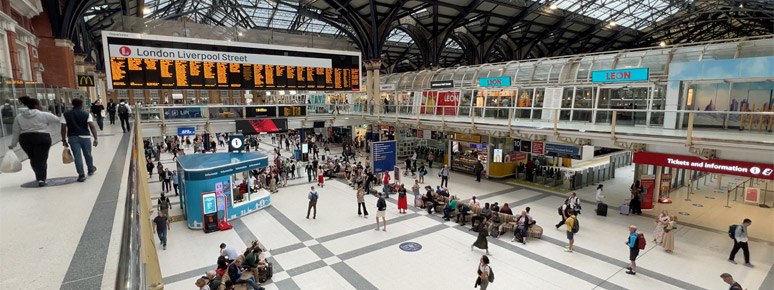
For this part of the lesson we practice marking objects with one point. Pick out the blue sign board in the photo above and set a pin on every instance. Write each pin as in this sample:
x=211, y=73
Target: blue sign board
x=494, y=82
x=182, y=113
x=236, y=143
x=619, y=75
x=564, y=151
x=384, y=156
x=187, y=131
x=208, y=201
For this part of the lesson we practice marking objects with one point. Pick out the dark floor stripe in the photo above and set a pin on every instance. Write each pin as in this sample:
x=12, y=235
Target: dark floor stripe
x=89, y=258
x=769, y=280
x=294, y=229
x=396, y=240
x=353, y=277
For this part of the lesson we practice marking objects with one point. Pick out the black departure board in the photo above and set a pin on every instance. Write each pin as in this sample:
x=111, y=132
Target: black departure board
x=136, y=63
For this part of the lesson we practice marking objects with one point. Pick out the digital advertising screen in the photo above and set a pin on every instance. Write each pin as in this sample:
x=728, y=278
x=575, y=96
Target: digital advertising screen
x=141, y=61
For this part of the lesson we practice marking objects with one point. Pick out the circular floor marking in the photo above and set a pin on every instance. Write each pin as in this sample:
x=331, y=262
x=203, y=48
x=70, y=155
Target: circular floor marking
x=683, y=213
x=709, y=197
x=698, y=205
x=59, y=181
x=410, y=246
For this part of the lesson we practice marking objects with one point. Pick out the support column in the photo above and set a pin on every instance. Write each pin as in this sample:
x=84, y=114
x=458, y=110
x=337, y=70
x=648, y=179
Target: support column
x=372, y=81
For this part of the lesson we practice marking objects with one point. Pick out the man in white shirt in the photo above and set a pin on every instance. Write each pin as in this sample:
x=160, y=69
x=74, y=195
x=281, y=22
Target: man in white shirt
x=229, y=251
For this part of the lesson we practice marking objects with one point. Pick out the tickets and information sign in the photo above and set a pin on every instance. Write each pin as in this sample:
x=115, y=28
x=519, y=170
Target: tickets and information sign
x=141, y=61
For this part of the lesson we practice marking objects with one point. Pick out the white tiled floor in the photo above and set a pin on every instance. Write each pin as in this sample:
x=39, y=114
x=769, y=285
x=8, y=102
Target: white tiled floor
x=446, y=262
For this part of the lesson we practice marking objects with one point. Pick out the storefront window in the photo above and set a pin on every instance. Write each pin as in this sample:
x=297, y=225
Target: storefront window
x=497, y=103
x=710, y=97
x=465, y=102
x=583, y=103
x=659, y=102
x=537, y=113
x=566, y=104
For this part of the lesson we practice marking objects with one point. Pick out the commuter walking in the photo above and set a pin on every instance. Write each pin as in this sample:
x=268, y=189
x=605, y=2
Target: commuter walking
x=30, y=130
x=167, y=182
x=481, y=241
x=668, y=243
x=381, y=208
x=599, y=196
x=123, y=114
x=98, y=110
x=478, y=169
x=730, y=281
x=76, y=124
x=636, y=198
x=164, y=204
x=162, y=225
x=111, y=109
x=361, y=202
x=564, y=211
x=444, y=174
x=634, y=250
x=174, y=181
x=740, y=242
x=312, y=196
x=484, y=272
x=160, y=169
x=149, y=166
x=572, y=229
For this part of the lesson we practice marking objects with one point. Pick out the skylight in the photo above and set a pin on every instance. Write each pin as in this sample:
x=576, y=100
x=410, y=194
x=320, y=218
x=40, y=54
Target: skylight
x=636, y=14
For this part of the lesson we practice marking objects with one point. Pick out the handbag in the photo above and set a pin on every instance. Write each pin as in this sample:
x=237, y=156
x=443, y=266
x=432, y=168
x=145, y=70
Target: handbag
x=67, y=156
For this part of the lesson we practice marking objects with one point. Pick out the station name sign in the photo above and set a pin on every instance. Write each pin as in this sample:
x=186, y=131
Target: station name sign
x=619, y=75
x=739, y=168
x=494, y=82
x=442, y=84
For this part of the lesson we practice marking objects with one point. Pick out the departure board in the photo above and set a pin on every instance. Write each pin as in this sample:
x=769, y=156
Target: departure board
x=149, y=61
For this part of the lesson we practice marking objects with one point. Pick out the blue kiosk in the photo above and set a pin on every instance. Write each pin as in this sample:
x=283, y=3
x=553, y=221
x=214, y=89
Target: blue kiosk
x=216, y=187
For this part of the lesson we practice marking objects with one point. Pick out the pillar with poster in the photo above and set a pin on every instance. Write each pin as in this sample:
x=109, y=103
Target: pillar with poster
x=648, y=183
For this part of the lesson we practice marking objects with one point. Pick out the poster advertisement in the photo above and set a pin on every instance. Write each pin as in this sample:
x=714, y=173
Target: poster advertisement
x=498, y=156
x=537, y=147
x=428, y=102
x=752, y=195
x=384, y=156
x=208, y=203
x=648, y=182
x=448, y=103
x=666, y=185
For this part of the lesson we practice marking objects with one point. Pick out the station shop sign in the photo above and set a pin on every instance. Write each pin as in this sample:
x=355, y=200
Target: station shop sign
x=186, y=131
x=730, y=167
x=467, y=138
x=260, y=112
x=494, y=82
x=619, y=75
x=442, y=84
x=387, y=87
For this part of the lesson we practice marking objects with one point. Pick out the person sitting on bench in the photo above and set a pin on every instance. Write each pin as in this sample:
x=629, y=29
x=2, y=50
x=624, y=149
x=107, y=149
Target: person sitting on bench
x=485, y=215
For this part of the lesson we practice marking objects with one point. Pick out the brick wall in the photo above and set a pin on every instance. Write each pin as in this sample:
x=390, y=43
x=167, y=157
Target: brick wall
x=57, y=57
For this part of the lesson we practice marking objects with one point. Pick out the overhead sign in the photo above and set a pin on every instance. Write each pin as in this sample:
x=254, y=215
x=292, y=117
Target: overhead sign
x=260, y=112
x=384, y=156
x=262, y=125
x=145, y=61
x=537, y=147
x=387, y=87
x=442, y=84
x=186, y=131
x=738, y=168
x=291, y=111
x=468, y=137
x=236, y=143
x=619, y=75
x=182, y=113
x=494, y=82
x=564, y=151
x=85, y=80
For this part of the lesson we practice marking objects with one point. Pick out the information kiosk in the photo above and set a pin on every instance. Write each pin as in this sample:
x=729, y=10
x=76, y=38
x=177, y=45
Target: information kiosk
x=219, y=186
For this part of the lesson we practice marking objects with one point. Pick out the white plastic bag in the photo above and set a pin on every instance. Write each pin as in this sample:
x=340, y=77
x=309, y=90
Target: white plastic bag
x=10, y=163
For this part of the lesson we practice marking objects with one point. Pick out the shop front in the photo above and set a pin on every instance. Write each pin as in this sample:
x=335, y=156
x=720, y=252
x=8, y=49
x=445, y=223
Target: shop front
x=465, y=150
x=670, y=172
x=505, y=157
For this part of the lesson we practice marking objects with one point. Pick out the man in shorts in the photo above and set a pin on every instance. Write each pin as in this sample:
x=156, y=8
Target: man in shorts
x=381, y=207
x=634, y=250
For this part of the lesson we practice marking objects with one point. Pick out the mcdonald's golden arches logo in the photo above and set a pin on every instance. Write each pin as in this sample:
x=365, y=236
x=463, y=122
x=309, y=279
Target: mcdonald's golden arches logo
x=85, y=80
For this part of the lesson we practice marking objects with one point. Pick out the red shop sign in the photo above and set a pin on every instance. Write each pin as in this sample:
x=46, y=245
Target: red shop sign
x=537, y=148
x=738, y=168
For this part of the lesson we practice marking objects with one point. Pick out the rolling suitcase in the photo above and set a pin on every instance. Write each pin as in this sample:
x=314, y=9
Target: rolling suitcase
x=625, y=209
x=602, y=209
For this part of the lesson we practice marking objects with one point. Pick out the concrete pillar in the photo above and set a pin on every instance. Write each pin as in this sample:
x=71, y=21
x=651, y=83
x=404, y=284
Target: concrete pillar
x=372, y=82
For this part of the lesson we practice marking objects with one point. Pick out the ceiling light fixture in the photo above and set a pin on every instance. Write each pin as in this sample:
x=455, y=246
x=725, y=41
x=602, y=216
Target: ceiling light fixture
x=612, y=23
x=553, y=6
x=662, y=44
x=240, y=33
x=146, y=10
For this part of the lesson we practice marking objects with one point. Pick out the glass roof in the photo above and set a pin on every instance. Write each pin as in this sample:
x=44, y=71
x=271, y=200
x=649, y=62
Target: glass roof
x=242, y=13
x=636, y=14
x=399, y=36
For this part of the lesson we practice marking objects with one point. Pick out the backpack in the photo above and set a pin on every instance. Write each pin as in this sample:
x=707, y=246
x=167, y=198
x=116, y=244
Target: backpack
x=314, y=197
x=641, y=241
x=732, y=231
x=122, y=109
x=575, y=226
x=491, y=275
x=559, y=210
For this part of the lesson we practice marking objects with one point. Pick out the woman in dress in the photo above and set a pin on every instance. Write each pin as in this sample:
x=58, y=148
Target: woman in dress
x=669, y=235
x=661, y=222
x=483, y=273
x=481, y=242
x=320, y=178
x=402, y=200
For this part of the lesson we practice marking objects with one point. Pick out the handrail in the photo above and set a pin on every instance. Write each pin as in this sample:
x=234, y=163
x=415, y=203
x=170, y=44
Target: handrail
x=129, y=275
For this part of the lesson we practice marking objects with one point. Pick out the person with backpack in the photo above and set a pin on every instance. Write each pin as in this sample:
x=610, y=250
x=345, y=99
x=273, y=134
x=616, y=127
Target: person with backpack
x=164, y=204
x=381, y=208
x=572, y=228
x=730, y=281
x=123, y=114
x=740, y=242
x=313, y=196
x=485, y=273
x=564, y=211
x=636, y=242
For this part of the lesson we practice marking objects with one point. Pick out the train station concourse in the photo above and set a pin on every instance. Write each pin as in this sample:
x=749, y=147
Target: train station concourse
x=441, y=141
